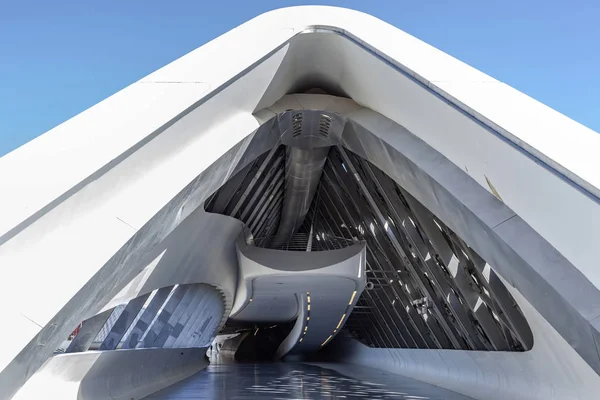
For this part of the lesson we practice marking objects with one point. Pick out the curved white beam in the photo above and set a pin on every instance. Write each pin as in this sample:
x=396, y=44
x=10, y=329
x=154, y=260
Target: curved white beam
x=318, y=289
x=90, y=198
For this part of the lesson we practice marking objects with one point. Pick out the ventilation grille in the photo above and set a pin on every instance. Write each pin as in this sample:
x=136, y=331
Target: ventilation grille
x=324, y=125
x=297, y=124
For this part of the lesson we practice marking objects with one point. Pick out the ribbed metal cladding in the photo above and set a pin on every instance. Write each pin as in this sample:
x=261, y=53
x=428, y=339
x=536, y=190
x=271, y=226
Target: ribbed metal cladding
x=255, y=194
x=273, y=194
x=428, y=289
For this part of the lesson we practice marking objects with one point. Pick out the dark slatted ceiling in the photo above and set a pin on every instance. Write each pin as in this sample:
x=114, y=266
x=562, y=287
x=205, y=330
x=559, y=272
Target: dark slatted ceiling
x=427, y=288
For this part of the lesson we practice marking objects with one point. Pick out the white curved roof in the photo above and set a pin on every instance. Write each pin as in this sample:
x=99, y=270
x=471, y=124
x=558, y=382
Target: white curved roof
x=98, y=135
x=74, y=196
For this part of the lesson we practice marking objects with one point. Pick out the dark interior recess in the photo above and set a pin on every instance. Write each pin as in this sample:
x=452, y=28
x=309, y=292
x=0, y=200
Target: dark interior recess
x=427, y=288
x=262, y=344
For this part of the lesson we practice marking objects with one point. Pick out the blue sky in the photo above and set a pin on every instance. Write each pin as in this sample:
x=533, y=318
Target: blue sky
x=59, y=57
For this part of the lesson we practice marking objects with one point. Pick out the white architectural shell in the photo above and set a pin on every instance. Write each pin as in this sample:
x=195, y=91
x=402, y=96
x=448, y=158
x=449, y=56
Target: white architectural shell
x=85, y=207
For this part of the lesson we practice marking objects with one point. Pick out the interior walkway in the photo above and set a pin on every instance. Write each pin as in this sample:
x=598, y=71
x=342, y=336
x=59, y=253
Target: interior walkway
x=299, y=381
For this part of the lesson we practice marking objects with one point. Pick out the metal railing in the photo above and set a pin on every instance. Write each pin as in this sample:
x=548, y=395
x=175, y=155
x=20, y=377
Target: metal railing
x=303, y=242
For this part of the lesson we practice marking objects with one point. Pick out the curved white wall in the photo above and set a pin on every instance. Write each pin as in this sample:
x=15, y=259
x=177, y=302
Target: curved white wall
x=117, y=375
x=90, y=199
x=550, y=370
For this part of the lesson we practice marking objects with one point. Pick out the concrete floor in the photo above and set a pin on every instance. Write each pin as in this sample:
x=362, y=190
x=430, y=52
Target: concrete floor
x=299, y=381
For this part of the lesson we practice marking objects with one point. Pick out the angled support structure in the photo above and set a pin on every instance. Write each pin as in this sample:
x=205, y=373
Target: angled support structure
x=456, y=184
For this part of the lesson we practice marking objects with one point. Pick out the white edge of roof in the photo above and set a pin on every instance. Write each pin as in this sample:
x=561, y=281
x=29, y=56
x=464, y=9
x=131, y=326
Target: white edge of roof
x=563, y=144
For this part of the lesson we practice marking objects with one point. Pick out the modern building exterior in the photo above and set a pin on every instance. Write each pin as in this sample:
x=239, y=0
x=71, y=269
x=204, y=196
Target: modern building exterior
x=314, y=185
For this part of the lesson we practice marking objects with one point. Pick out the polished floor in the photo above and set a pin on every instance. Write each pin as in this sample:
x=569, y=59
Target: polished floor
x=299, y=381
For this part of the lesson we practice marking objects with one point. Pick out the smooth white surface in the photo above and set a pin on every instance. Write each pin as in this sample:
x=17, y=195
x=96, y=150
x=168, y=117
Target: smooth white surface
x=115, y=375
x=72, y=198
x=273, y=286
x=551, y=370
